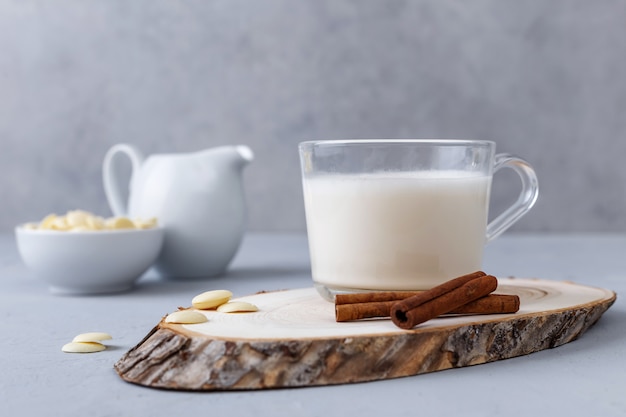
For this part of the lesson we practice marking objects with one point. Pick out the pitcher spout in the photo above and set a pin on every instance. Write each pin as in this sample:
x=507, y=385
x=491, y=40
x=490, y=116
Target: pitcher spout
x=235, y=157
x=245, y=155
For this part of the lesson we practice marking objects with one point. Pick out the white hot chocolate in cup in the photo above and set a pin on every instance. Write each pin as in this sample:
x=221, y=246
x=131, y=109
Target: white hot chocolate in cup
x=402, y=214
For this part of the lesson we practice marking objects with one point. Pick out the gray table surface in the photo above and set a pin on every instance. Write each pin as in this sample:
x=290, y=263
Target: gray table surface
x=586, y=377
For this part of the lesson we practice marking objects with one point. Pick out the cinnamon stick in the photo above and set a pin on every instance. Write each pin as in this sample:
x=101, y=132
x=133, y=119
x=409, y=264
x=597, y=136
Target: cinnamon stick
x=349, y=307
x=440, y=300
x=374, y=296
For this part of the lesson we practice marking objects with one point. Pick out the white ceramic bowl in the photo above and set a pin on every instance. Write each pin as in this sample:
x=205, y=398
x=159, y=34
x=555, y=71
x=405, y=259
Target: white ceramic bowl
x=93, y=262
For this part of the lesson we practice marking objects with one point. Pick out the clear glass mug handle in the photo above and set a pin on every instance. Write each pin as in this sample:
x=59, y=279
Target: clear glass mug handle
x=526, y=199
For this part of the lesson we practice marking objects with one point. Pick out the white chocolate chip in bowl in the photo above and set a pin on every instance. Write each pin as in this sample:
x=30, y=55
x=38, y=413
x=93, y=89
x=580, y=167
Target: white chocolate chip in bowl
x=95, y=223
x=77, y=218
x=145, y=224
x=120, y=223
x=47, y=222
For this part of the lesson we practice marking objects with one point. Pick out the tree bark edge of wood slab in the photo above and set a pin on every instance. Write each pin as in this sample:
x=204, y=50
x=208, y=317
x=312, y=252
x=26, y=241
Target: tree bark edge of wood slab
x=172, y=357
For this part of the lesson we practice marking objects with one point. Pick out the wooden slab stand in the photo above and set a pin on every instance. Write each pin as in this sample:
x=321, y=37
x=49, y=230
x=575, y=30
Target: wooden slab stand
x=294, y=341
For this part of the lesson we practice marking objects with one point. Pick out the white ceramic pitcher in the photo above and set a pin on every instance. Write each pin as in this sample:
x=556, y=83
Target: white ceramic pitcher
x=197, y=198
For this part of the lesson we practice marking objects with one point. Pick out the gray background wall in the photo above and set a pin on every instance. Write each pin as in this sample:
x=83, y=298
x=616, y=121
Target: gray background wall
x=545, y=79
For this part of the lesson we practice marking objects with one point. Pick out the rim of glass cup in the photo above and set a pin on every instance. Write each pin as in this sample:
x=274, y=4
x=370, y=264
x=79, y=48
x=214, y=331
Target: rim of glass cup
x=440, y=142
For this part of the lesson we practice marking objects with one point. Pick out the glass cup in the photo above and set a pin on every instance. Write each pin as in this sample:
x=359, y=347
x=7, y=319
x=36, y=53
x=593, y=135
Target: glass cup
x=402, y=214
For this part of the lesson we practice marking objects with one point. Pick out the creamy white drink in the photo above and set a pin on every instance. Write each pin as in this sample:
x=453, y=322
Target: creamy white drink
x=395, y=230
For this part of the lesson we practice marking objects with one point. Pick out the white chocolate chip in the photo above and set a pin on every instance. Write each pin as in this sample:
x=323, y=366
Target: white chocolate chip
x=77, y=218
x=211, y=299
x=83, y=347
x=81, y=221
x=120, y=223
x=237, y=307
x=46, y=223
x=145, y=224
x=95, y=223
x=59, y=223
x=185, y=317
x=92, y=337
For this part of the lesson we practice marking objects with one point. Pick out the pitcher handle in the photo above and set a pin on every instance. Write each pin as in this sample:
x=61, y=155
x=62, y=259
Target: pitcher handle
x=111, y=175
x=526, y=199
